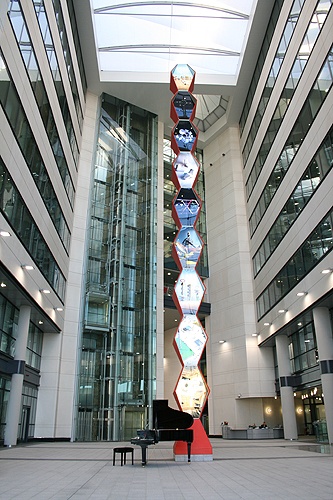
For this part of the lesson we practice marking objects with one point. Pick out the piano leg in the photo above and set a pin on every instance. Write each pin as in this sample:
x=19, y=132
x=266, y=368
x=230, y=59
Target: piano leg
x=144, y=455
x=189, y=452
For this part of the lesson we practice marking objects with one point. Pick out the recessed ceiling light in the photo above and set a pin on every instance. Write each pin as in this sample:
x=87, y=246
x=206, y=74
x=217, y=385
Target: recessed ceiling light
x=326, y=271
x=27, y=267
x=4, y=233
x=282, y=311
x=222, y=341
x=301, y=294
x=59, y=309
x=3, y=285
x=44, y=290
x=267, y=324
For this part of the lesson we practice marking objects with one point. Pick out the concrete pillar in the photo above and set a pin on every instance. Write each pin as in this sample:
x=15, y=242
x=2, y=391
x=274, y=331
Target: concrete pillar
x=323, y=329
x=15, y=395
x=286, y=389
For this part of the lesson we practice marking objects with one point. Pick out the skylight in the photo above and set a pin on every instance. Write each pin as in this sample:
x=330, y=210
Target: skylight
x=154, y=36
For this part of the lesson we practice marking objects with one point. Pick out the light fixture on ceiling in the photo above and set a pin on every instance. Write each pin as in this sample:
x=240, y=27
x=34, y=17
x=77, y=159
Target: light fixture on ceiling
x=59, y=309
x=222, y=341
x=301, y=294
x=282, y=311
x=254, y=335
x=44, y=290
x=327, y=271
x=4, y=233
x=27, y=267
x=3, y=285
x=267, y=324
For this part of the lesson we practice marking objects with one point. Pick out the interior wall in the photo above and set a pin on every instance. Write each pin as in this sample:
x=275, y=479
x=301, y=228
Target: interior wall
x=237, y=368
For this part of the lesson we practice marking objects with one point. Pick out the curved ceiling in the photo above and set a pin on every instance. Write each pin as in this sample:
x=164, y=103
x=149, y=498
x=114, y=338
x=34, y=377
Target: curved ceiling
x=156, y=35
x=146, y=36
x=130, y=47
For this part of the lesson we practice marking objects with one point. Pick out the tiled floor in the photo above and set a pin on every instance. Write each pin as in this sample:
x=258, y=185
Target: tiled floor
x=270, y=469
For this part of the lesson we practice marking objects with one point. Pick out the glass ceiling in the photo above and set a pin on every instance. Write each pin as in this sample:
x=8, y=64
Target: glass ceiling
x=154, y=36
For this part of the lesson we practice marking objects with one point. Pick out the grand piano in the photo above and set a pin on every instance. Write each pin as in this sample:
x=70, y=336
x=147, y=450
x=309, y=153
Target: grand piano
x=169, y=425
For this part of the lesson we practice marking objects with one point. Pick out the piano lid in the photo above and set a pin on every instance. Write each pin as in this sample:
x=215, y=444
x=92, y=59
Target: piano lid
x=168, y=418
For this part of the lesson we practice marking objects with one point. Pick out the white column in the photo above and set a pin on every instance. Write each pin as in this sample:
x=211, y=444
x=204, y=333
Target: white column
x=286, y=389
x=323, y=329
x=15, y=395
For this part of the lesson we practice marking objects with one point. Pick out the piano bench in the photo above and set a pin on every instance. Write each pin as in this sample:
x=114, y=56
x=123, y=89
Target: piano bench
x=123, y=450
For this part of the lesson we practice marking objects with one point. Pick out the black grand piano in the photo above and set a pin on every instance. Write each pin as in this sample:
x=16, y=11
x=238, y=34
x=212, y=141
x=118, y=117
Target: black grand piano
x=169, y=425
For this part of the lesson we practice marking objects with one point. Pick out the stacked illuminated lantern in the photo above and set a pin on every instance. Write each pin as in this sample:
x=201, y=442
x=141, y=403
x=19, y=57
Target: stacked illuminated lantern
x=191, y=391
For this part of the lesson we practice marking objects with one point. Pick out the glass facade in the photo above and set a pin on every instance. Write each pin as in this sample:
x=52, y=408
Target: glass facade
x=18, y=120
x=57, y=77
x=302, y=125
x=14, y=209
x=68, y=58
x=118, y=359
x=34, y=347
x=8, y=326
x=293, y=78
x=9, y=315
x=29, y=58
x=78, y=50
x=4, y=396
x=314, y=174
x=274, y=71
x=316, y=246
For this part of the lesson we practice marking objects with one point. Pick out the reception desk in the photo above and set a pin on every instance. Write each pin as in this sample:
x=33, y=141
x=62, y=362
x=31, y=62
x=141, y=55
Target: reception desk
x=267, y=433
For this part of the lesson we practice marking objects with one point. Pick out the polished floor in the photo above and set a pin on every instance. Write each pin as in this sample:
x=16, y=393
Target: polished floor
x=264, y=469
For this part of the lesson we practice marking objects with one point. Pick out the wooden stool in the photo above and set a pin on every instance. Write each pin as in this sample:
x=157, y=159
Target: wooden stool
x=122, y=450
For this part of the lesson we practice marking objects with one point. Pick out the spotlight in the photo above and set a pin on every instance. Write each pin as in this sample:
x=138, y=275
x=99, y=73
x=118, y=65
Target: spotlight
x=44, y=290
x=301, y=294
x=27, y=267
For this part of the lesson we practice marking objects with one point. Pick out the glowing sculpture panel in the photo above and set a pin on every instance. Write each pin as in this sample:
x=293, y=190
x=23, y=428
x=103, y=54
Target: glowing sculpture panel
x=191, y=390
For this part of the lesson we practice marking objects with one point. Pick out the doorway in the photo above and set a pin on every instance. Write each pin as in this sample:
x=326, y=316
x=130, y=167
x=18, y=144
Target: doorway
x=25, y=421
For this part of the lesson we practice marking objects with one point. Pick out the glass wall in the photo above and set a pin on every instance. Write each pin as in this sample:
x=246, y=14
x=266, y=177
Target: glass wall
x=314, y=248
x=56, y=74
x=313, y=175
x=274, y=71
x=12, y=106
x=9, y=315
x=37, y=84
x=302, y=125
x=261, y=60
x=118, y=358
x=14, y=209
x=287, y=94
x=68, y=58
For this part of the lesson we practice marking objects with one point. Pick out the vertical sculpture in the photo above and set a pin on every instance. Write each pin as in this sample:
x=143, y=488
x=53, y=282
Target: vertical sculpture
x=191, y=390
